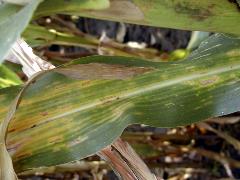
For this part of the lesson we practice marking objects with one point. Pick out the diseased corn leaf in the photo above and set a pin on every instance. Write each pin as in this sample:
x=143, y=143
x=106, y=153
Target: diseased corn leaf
x=6, y=166
x=13, y=20
x=204, y=15
x=62, y=118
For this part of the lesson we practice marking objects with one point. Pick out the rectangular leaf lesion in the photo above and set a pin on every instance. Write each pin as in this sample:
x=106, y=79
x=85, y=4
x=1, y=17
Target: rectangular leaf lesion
x=102, y=71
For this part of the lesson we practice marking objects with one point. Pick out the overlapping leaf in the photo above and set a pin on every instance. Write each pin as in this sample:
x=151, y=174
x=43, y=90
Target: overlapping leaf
x=73, y=111
x=204, y=15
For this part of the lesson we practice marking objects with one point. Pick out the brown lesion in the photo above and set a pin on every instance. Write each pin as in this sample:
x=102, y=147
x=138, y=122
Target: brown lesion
x=195, y=12
x=102, y=71
x=210, y=81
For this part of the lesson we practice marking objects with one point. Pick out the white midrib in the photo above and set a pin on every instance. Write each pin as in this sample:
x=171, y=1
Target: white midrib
x=146, y=89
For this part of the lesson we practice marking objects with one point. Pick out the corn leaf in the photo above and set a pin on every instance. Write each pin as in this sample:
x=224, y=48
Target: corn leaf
x=204, y=15
x=60, y=6
x=13, y=20
x=77, y=109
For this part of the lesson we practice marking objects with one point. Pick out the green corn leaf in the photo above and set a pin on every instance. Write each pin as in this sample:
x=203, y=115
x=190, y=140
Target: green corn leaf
x=8, y=77
x=13, y=20
x=77, y=109
x=63, y=6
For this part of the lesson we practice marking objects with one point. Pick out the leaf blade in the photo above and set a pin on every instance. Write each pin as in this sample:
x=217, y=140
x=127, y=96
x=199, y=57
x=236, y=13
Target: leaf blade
x=93, y=113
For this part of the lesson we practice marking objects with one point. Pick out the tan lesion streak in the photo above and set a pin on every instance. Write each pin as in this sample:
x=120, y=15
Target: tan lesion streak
x=209, y=81
x=102, y=71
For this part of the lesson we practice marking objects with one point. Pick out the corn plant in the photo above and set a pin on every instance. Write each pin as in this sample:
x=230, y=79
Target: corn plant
x=75, y=110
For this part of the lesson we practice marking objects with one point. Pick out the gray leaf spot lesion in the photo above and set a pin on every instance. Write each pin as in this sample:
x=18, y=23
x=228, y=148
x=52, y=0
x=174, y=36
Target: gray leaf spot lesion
x=101, y=71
